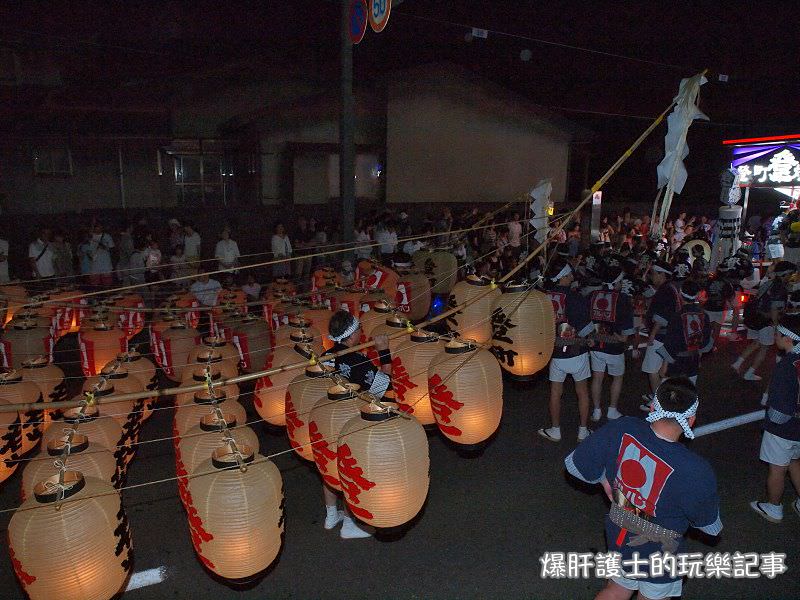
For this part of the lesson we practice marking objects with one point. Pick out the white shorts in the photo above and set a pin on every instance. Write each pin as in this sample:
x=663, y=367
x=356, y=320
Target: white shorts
x=765, y=335
x=577, y=366
x=652, y=359
x=717, y=316
x=655, y=591
x=774, y=251
x=777, y=450
x=613, y=363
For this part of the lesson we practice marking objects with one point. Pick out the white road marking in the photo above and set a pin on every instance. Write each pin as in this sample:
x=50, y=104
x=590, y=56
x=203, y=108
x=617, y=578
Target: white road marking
x=146, y=578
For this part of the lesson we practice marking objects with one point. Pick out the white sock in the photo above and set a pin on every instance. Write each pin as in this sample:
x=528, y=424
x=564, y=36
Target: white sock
x=750, y=371
x=331, y=510
x=738, y=362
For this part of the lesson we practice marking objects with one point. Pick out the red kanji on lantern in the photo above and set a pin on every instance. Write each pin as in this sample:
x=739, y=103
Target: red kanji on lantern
x=353, y=481
x=443, y=405
x=322, y=454
x=292, y=420
x=401, y=383
x=262, y=382
x=23, y=577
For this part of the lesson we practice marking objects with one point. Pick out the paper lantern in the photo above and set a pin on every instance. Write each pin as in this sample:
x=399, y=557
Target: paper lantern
x=269, y=397
x=222, y=320
x=410, y=374
x=523, y=330
x=186, y=306
x=100, y=346
x=473, y=322
x=372, y=299
x=23, y=340
x=281, y=287
x=330, y=413
x=175, y=345
x=131, y=319
x=370, y=275
x=103, y=431
x=64, y=309
x=211, y=346
x=198, y=372
x=297, y=326
x=15, y=296
x=189, y=415
x=80, y=552
x=10, y=443
x=440, y=267
x=320, y=318
x=236, y=516
x=50, y=381
x=348, y=300
x=383, y=466
x=466, y=392
x=325, y=278
x=373, y=317
x=301, y=396
x=144, y=371
x=392, y=325
x=252, y=337
x=93, y=460
x=114, y=379
x=14, y=390
x=158, y=325
x=413, y=298
x=204, y=356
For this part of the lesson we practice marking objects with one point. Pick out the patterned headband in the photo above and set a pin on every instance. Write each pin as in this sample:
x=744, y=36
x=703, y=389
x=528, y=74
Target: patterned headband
x=349, y=330
x=792, y=336
x=682, y=418
x=562, y=273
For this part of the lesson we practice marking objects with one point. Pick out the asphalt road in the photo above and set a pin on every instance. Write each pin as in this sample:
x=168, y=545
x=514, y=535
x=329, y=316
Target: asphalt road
x=487, y=521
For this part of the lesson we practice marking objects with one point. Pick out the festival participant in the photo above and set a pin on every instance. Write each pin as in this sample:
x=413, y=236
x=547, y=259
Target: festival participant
x=780, y=444
x=687, y=336
x=101, y=271
x=720, y=298
x=570, y=354
x=612, y=316
x=665, y=302
x=191, y=246
x=658, y=488
x=761, y=315
x=356, y=367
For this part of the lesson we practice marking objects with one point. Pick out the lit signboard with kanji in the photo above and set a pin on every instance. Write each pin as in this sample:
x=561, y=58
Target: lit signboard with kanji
x=767, y=162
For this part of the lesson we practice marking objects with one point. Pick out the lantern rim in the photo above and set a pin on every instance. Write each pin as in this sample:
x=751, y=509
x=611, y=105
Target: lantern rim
x=223, y=457
x=204, y=397
x=79, y=444
x=212, y=423
x=214, y=341
x=10, y=377
x=421, y=335
x=46, y=491
x=374, y=413
x=208, y=355
x=36, y=363
x=343, y=392
x=304, y=350
x=476, y=281
x=318, y=370
x=202, y=376
x=76, y=415
x=460, y=346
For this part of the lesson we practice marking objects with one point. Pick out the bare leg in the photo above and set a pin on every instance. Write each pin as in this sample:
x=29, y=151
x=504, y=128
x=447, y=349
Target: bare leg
x=655, y=381
x=762, y=354
x=597, y=387
x=749, y=350
x=331, y=497
x=582, y=391
x=556, y=389
x=616, y=390
x=776, y=481
x=613, y=591
x=715, y=329
x=794, y=475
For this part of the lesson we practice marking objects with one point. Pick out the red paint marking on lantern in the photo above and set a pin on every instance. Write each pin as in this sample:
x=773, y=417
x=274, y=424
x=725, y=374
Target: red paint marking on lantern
x=373, y=356
x=293, y=422
x=322, y=454
x=353, y=481
x=24, y=578
x=443, y=405
x=401, y=381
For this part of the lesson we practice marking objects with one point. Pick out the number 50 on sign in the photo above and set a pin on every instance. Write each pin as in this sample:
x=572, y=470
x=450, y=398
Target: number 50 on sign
x=379, y=11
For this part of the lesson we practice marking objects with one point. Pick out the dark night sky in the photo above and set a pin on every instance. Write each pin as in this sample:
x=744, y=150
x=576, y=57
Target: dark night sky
x=115, y=53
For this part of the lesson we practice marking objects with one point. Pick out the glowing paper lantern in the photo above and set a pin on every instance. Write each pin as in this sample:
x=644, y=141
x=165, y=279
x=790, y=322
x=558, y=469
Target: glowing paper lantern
x=252, y=337
x=100, y=346
x=301, y=396
x=348, y=300
x=186, y=306
x=114, y=379
x=14, y=390
x=15, y=296
x=383, y=466
x=80, y=552
x=198, y=372
x=523, y=330
x=320, y=318
x=466, y=391
x=473, y=322
x=211, y=346
x=413, y=298
x=175, y=345
x=144, y=371
x=373, y=276
x=10, y=443
x=189, y=415
x=204, y=356
x=23, y=340
x=240, y=512
x=269, y=398
x=391, y=326
x=103, y=431
x=281, y=288
x=50, y=380
x=130, y=317
x=297, y=326
x=373, y=317
x=159, y=324
x=328, y=416
x=64, y=309
x=93, y=460
x=410, y=374
x=440, y=267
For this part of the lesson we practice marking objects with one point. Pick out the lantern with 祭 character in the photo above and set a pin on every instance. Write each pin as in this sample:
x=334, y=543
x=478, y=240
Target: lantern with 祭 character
x=466, y=391
x=239, y=511
x=302, y=394
x=474, y=321
x=383, y=465
x=523, y=330
x=80, y=551
x=328, y=416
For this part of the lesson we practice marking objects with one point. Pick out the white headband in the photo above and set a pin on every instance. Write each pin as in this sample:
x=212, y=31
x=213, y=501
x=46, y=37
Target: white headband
x=661, y=269
x=792, y=336
x=619, y=278
x=682, y=418
x=688, y=297
x=349, y=330
x=562, y=273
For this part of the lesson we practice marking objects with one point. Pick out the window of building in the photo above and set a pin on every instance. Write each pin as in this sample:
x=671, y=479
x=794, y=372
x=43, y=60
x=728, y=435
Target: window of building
x=52, y=161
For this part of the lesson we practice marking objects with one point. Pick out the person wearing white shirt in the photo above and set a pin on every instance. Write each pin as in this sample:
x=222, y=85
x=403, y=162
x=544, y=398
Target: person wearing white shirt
x=100, y=244
x=227, y=252
x=41, y=256
x=412, y=246
x=4, y=261
x=281, y=249
x=191, y=246
x=387, y=238
x=362, y=240
x=206, y=290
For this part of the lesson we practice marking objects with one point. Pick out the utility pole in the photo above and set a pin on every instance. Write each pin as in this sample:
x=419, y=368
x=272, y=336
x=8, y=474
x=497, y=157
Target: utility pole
x=347, y=126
